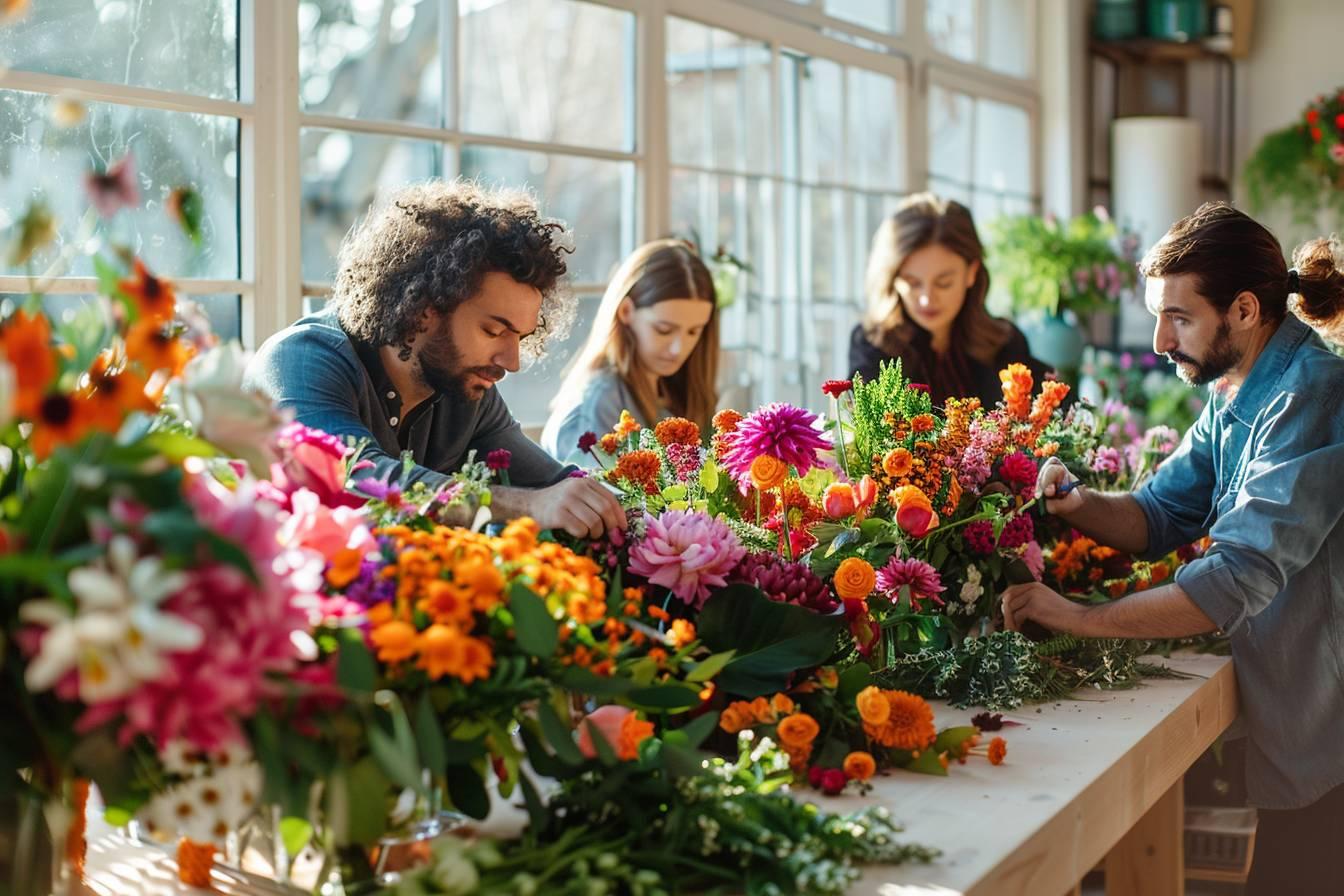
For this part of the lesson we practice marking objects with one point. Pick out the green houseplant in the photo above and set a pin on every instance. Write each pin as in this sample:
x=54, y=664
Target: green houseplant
x=1301, y=167
x=1052, y=272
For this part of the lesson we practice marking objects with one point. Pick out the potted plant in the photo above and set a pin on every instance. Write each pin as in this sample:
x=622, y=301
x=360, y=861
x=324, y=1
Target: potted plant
x=1301, y=166
x=1052, y=273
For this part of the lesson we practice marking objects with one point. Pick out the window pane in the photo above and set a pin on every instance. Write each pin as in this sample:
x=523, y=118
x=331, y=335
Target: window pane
x=876, y=147
x=594, y=197
x=223, y=311
x=190, y=46
x=879, y=15
x=549, y=70
x=1009, y=23
x=950, y=126
x=822, y=121
x=1002, y=147
x=951, y=27
x=528, y=392
x=687, y=109
x=170, y=150
x=343, y=173
x=371, y=59
x=718, y=88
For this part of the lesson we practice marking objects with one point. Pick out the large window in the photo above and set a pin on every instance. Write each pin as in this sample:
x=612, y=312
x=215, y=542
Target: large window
x=780, y=131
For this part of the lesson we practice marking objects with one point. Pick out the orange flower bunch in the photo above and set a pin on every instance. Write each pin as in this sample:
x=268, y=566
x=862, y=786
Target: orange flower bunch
x=743, y=714
x=958, y=414
x=640, y=467
x=1053, y=393
x=896, y=718
x=449, y=580
x=1016, y=381
x=796, y=733
x=676, y=431
x=626, y=425
x=725, y=421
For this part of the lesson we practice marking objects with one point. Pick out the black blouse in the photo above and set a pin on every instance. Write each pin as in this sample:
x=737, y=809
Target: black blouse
x=952, y=375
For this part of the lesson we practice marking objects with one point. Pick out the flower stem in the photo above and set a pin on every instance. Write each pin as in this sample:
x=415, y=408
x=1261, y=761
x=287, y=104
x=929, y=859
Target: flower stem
x=840, y=436
x=784, y=526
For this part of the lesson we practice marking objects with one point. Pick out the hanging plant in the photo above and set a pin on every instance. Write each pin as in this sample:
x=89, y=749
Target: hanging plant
x=1301, y=166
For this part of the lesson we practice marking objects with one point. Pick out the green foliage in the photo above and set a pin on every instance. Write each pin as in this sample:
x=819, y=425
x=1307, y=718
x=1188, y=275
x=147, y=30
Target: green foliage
x=1295, y=168
x=1049, y=266
x=874, y=400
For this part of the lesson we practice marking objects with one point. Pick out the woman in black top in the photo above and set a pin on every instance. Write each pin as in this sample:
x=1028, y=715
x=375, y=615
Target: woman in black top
x=926, y=286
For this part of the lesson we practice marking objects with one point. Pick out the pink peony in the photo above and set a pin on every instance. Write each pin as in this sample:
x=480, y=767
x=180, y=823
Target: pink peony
x=686, y=552
x=923, y=579
x=314, y=460
x=607, y=720
x=788, y=433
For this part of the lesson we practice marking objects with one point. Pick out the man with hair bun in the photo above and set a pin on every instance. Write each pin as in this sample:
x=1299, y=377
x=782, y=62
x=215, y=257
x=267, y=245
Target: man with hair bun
x=439, y=293
x=1259, y=473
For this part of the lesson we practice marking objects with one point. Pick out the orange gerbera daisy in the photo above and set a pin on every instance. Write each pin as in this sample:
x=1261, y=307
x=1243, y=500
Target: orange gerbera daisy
x=60, y=420
x=113, y=394
x=154, y=298
x=152, y=344
x=25, y=340
x=909, y=724
x=395, y=640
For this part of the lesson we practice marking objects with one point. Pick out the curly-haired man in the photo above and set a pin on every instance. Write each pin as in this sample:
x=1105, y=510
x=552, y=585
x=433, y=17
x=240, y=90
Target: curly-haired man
x=439, y=293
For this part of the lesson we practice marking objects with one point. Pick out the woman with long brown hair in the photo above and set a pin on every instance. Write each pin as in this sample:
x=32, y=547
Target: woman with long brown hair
x=926, y=285
x=653, y=350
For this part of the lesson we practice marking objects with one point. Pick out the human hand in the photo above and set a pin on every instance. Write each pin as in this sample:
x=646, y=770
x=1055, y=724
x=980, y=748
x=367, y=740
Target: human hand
x=1036, y=602
x=583, y=507
x=1058, y=487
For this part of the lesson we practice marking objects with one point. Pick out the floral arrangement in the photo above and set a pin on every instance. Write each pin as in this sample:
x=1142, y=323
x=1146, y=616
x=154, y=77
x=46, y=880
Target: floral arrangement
x=1302, y=166
x=1135, y=386
x=1044, y=264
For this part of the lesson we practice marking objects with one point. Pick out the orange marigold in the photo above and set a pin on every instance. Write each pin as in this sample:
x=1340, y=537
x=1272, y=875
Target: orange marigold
x=898, y=462
x=854, y=579
x=922, y=422
x=726, y=420
x=676, y=431
x=768, y=472
x=998, y=749
x=681, y=633
x=639, y=467
x=860, y=766
x=797, y=731
x=609, y=443
x=344, y=567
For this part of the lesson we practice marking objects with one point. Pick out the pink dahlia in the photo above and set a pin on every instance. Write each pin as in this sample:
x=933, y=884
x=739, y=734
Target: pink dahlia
x=687, y=553
x=923, y=579
x=1018, y=469
x=788, y=433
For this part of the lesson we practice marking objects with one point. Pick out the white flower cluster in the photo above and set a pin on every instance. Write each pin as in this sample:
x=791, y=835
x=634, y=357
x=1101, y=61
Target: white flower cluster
x=218, y=794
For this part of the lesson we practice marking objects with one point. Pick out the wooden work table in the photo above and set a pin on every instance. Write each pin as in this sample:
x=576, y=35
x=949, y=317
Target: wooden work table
x=1086, y=779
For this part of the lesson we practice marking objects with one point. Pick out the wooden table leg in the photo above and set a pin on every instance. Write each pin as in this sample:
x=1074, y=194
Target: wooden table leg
x=1150, y=859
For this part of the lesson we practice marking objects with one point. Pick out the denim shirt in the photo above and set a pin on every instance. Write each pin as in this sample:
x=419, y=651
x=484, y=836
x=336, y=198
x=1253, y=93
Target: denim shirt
x=1260, y=474
x=333, y=383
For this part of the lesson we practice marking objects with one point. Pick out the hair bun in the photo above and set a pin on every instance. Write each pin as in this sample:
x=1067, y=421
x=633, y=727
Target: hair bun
x=1320, y=269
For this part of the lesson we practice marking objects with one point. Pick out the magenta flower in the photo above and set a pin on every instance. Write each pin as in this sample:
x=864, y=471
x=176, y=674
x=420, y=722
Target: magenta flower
x=783, y=431
x=499, y=459
x=1019, y=530
x=1107, y=460
x=923, y=579
x=315, y=460
x=1019, y=469
x=587, y=441
x=114, y=189
x=687, y=553
x=784, y=581
x=979, y=536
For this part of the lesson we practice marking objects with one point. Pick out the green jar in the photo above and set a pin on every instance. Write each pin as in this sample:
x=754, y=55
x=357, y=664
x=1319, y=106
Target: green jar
x=1179, y=20
x=1116, y=19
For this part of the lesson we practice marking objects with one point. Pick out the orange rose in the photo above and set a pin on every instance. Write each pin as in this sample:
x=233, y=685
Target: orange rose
x=768, y=472
x=914, y=513
x=855, y=579
x=733, y=719
x=782, y=704
x=839, y=501
x=873, y=705
x=859, y=766
x=797, y=731
x=898, y=462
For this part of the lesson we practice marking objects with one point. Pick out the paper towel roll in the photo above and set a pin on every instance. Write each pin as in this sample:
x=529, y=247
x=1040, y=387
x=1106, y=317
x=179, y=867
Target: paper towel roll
x=1155, y=163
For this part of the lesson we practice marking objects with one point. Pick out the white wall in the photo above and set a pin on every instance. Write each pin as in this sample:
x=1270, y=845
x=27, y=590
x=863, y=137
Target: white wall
x=1295, y=55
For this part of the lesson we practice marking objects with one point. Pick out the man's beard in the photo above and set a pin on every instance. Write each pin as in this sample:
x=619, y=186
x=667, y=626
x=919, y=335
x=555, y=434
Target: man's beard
x=439, y=367
x=1221, y=357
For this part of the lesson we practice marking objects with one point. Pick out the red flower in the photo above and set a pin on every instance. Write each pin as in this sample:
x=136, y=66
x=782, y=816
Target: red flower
x=499, y=459
x=1313, y=116
x=1316, y=135
x=836, y=388
x=587, y=441
x=814, y=775
x=1339, y=121
x=833, y=781
x=918, y=387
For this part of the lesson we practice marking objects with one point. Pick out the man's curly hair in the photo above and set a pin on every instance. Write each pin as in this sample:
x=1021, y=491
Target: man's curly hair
x=429, y=247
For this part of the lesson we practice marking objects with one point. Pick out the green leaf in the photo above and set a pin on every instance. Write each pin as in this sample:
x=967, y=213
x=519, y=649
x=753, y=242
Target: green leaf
x=467, y=791
x=699, y=729
x=357, y=804
x=462, y=752
x=429, y=736
x=558, y=735
x=396, y=753
x=927, y=764
x=710, y=666
x=535, y=630
x=951, y=739
x=709, y=477
x=852, y=680
x=670, y=697
x=543, y=761
x=295, y=834
x=843, y=539
x=355, y=668
x=536, y=810
x=773, y=640
x=582, y=681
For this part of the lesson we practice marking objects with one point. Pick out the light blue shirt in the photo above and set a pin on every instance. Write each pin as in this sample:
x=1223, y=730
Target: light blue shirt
x=1261, y=475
